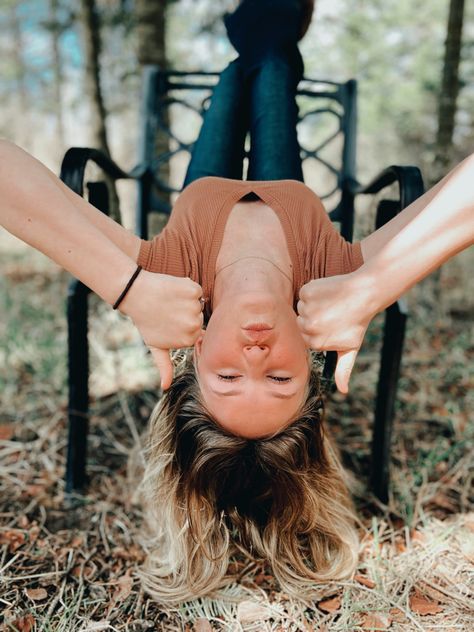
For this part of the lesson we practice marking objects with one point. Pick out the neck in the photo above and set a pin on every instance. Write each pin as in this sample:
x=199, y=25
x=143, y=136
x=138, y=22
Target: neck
x=254, y=276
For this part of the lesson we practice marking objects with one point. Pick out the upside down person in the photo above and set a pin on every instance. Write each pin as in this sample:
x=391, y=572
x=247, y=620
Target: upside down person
x=237, y=453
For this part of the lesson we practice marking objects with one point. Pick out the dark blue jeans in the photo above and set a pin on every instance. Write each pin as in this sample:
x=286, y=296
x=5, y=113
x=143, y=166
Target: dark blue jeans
x=255, y=93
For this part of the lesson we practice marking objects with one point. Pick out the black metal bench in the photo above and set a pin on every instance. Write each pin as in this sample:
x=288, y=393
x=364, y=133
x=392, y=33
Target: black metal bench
x=161, y=92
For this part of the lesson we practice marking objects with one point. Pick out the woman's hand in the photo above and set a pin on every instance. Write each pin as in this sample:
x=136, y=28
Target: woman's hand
x=333, y=315
x=167, y=312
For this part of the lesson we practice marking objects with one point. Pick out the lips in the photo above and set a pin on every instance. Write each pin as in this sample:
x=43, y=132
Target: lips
x=258, y=327
x=257, y=336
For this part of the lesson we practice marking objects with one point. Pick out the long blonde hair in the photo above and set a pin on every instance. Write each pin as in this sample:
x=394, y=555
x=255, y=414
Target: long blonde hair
x=207, y=493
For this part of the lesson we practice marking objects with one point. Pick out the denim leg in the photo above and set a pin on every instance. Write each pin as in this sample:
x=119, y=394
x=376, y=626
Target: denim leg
x=265, y=33
x=275, y=151
x=219, y=149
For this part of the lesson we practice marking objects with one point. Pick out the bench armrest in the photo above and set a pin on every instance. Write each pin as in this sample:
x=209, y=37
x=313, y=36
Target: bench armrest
x=75, y=161
x=410, y=187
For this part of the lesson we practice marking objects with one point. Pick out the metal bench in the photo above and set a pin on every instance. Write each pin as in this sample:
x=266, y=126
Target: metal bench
x=164, y=90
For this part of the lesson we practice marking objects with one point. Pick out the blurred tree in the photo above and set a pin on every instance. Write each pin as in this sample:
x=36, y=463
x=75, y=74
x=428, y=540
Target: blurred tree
x=19, y=69
x=151, y=50
x=97, y=121
x=151, y=32
x=449, y=91
x=56, y=29
x=447, y=107
x=92, y=45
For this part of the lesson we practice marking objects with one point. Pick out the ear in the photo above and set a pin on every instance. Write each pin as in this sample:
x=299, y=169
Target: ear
x=198, y=345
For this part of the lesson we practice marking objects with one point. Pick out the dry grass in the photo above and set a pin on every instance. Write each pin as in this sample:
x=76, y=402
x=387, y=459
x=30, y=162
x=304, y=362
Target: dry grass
x=68, y=564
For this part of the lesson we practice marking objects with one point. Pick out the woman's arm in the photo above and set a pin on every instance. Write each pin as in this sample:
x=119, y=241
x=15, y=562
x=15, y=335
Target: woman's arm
x=21, y=160
x=334, y=312
x=36, y=207
x=446, y=205
x=420, y=239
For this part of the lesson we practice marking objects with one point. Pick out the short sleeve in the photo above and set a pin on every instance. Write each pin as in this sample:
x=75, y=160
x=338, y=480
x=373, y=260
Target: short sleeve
x=342, y=256
x=169, y=253
x=334, y=255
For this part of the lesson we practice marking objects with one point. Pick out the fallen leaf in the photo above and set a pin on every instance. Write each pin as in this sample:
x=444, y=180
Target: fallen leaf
x=23, y=624
x=261, y=578
x=13, y=537
x=202, y=625
x=436, y=595
x=37, y=594
x=330, y=605
x=6, y=432
x=423, y=606
x=124, y=587
x=251, y=612
x=376, y=621
x=365, y=581
x=417, y=536
x=398, y=615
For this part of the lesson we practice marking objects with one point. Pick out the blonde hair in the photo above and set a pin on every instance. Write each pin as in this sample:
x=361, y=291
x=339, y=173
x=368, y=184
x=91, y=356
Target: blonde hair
x=208, y=494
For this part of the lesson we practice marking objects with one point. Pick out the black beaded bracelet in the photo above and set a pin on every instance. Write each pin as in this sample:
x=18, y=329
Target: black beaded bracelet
x=127, y=287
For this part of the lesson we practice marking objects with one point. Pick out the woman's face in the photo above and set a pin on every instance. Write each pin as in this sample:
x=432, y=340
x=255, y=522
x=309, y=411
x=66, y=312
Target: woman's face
x=252, y=365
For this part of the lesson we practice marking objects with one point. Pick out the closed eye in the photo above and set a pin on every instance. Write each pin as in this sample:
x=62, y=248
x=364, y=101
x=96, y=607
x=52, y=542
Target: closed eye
x=275, y=378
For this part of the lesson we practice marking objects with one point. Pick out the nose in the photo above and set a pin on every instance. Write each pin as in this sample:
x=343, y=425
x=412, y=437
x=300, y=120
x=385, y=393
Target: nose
x=256, y=352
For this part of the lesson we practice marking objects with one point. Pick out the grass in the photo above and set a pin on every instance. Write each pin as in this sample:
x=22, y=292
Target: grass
x=68, y=564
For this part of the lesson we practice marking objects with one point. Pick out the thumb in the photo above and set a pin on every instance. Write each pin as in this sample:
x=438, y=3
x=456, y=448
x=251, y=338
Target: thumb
x=162, y=360
x=344, y=366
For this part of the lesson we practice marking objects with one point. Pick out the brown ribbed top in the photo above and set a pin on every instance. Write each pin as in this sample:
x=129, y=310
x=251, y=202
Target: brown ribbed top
x=189, y=244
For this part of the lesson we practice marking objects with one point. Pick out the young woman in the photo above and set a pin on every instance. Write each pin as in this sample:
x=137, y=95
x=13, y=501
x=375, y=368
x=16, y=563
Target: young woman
x=237, y=455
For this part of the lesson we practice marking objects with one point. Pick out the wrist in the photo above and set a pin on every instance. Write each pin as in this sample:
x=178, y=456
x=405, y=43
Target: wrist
x=123, y=283
x=135, y=299
x=366, y=295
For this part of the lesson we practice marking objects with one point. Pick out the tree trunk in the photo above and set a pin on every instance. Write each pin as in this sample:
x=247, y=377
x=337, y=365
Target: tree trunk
x=20, y=76
x=449, y=90
x=446, y=120
x=92, y=46
x=151, y=45
x=58, y=75
x=151, y=49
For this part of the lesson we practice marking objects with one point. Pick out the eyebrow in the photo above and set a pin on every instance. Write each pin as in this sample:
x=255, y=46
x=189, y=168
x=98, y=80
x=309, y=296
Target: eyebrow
x=274, y=394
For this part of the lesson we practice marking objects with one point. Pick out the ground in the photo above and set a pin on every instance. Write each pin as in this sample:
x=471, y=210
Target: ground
x=68, y=564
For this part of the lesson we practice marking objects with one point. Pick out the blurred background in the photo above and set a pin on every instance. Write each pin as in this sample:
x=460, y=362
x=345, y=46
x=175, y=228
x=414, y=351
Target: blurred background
x=70, y=71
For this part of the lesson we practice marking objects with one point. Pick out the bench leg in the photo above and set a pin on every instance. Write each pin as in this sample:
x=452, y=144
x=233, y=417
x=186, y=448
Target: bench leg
x=394, y=334
x=78, y=374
